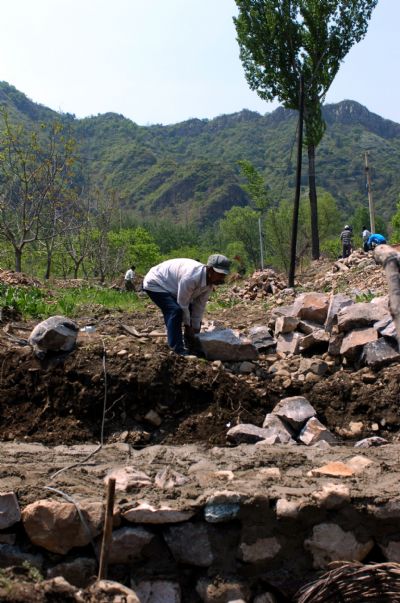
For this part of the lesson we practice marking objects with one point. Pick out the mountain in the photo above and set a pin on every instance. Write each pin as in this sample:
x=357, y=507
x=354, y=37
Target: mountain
x=188, y=171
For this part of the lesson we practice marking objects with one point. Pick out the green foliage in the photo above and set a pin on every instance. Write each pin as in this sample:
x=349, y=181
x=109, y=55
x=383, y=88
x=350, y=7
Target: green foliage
x=34, y=573
x=395, y=223
x=365, y=297
x=241, y=226
x=30, y=302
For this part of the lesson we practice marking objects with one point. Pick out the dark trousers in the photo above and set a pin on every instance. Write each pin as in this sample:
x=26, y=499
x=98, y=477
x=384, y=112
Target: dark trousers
x=129, y=286
x=173, y=314
x=346, y=250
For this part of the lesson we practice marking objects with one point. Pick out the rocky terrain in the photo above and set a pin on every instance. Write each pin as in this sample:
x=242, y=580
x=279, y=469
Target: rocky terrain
x=239, y=476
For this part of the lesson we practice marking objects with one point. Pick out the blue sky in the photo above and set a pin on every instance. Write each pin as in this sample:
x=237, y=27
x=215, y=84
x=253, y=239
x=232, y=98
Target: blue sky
x=164, y=61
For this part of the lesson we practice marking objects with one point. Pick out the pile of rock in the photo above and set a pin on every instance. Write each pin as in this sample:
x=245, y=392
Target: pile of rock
x=359, y=333
x=293, y=420
x=261, y=284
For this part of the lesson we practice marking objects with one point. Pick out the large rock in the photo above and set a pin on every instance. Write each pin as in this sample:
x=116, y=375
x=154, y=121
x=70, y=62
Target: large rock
x=285, y=324
x=57, y=527
x=275, y=427
x=295, y=410
x=312, y=306
x=289, y=343
x=330, y=543
x=246, y=433
x=13, y=555
x=190, y=544
x=55, y=334
x=9, y=510
x=79, y=572
x=336, y=303
x=317, y=338
x=379, y=353
x=262, y=339
x=354, y=341
x=314, y=431
x=360, y=315
x=127, y=544
x=157, y=591
x=225, y=345
x=144, y=512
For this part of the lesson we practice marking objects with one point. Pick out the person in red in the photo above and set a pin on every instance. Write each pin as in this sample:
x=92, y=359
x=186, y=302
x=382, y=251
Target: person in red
x=181, y=288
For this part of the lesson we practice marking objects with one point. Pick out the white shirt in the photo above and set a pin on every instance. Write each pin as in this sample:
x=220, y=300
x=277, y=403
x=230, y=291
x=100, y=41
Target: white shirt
x=186, y=280
x=129, y=275
x=365, y=235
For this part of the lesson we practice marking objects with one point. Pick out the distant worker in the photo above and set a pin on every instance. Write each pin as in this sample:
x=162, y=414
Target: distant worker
x=365, y=236
x=130, y=279
x=346, y=236
x=181, y=288
x=374, y=240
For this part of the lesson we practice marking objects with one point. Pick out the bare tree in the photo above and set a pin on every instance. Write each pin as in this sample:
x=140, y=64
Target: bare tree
x=36, y=189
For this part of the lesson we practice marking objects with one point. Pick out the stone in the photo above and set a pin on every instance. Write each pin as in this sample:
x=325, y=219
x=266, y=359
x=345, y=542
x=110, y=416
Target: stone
x=246, y=433
x=13, y=555
x=334, y=469
x=288, y=343
x=386, y=327
x=222, y=591
x=332, y=496
x=295, y=411
x=335, y=343
x=78, y=572
x=262, y=339
x=314, y=431
x=153, y=417
x=225, y=345
x=276, y=428
x=359, y=463
x=329, y=542
x=354, y=341
x=336, y=303
x=288, y=508
x=144, y=512
x=388, y=510
x=370, y=442
x=311, y=306
x=285, y=324
x=107, y=590
x=157, y=591
x=315, y=365
x=307, y=327
x=391, y=551
x=266, y=598
x=9, y=510
x=190, y=544
x=379, y=353
x=55, y=334
x=316, y=338
x=262, y=549
x=127, y=478
x=246, y=367
x=360, y=315
x=58, y=589
x=127, y=544
x=221, y=512
x=57, y=527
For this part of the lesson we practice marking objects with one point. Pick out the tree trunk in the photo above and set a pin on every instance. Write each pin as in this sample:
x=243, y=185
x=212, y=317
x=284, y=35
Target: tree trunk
x=18, y=259
x=313, y=203
x=48, y=267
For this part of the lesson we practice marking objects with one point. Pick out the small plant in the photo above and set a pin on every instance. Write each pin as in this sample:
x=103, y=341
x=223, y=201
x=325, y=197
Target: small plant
x=33, y=573
x=365, y=297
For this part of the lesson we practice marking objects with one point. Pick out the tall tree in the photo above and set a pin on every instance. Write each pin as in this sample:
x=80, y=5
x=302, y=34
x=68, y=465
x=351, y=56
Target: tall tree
x=282, y=39
x=36, y=184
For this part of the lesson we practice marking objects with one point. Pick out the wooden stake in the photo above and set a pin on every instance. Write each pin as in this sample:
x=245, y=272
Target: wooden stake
x=390, y=260
x=108, y=519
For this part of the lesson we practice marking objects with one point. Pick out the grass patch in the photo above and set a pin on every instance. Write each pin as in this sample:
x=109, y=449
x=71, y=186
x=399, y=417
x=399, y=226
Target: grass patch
x=31, y=302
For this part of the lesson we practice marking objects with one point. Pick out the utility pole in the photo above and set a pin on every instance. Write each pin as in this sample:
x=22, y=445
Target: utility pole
x=292, y=267
x=261, y=243
x=370, y=199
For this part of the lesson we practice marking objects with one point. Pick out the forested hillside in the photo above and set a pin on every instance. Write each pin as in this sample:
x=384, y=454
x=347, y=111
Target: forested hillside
x=189, y=172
